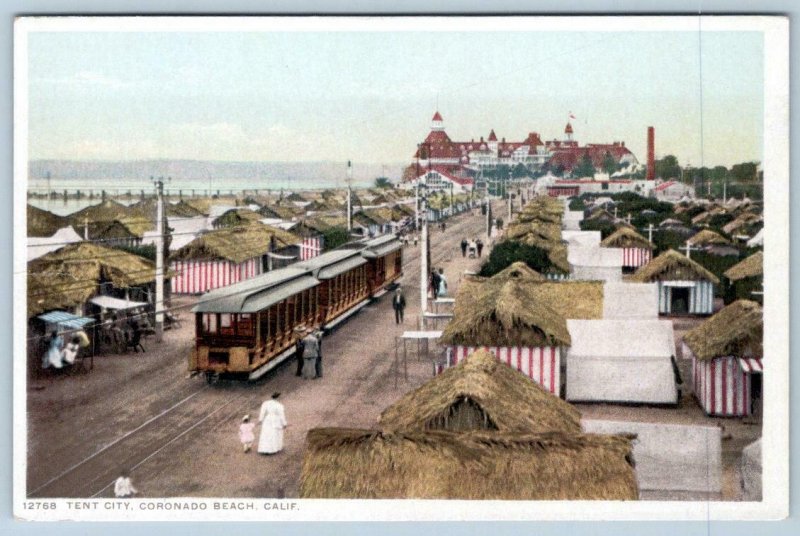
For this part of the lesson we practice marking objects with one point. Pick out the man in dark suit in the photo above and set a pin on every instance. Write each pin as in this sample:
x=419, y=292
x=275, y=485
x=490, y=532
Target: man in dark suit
x=399, y=305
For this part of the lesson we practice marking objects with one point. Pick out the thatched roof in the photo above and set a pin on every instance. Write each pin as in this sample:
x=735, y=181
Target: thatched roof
x=69, y=276
x=237, y=216
x=136, y=219
x=752, y=266
x=517, y=308
x=236, y=244
x=509, y=401
x=708, y=237
x=625, y=237
x=546, y=231
x=671, y=265
x=736, y=327
x=506, y=313
x=43, y=223
x=370, y=464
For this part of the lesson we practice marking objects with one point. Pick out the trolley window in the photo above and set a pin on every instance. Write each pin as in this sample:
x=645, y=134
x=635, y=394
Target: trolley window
x=225, y=324
x=244, y=325
x=210, y=323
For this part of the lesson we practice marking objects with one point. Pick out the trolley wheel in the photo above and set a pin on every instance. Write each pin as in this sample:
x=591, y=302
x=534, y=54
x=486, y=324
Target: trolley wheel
x=212, y=378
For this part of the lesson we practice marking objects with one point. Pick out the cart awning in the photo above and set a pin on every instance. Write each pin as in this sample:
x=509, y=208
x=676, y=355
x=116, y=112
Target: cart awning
x=751, y=365
x=108, y=302
x=66, y=320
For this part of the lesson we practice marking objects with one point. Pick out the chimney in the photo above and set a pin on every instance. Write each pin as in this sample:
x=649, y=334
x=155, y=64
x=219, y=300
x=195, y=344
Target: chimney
x=651, y=153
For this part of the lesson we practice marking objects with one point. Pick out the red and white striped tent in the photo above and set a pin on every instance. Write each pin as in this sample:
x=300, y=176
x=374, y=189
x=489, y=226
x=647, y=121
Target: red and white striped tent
x=542, y=365
x=223, y=257
x=636, y=249
x=310, y=247
x=726, y=355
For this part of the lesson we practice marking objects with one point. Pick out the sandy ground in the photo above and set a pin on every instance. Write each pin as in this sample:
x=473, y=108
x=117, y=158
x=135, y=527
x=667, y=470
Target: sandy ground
x=179, y=436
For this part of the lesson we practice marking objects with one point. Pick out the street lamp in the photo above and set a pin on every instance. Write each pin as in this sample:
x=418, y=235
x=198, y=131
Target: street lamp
x=423, y=256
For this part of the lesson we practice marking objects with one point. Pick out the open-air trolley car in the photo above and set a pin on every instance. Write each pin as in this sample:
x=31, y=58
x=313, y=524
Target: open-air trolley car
x=246, y=329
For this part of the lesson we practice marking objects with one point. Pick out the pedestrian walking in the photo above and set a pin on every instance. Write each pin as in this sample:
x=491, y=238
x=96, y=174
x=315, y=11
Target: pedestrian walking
x=52, y=357
x=415, y=240
x=442, y=283
x=311, y=353
x=464, y=245
x=318, y=361
x=399, y=305
x=479, y=245
x=298, y=353
x=273, y=421
x=246, y=433
x=123, y=487
x=435, y=284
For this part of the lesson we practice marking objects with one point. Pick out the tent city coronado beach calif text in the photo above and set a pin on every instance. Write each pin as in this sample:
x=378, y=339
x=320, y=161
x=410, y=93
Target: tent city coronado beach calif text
x=283, y=264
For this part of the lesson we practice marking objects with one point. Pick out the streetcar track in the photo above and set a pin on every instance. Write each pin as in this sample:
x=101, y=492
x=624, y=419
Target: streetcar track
x=254, y=396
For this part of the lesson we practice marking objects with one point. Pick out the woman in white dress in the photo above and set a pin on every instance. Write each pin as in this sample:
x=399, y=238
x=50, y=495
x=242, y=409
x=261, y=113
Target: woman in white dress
x=273, y=421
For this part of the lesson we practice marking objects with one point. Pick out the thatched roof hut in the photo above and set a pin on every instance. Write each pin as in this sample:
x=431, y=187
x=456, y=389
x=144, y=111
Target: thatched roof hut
x=515, y=308
x=672, y=265
x=708, y=237
x=370, y=464
x=752, y=266
x=136, y=220
x=70, y=276
x=236, y=244
x=43, y=223
x=481, y=393
x=236, y=217
x=736, y=327
x=625, y=237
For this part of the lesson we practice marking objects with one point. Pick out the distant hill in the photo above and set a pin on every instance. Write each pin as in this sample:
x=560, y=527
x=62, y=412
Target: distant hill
x=272, y=174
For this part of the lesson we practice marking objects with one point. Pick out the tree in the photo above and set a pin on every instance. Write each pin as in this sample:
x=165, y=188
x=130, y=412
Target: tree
x=383, y=182
x=609, y=163
x=507, y=252
x=335, y=237
x=668, y=167
x=520, y=171
x=585, y=167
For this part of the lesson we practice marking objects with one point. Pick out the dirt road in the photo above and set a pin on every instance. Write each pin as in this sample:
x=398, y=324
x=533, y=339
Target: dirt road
x=179, y=436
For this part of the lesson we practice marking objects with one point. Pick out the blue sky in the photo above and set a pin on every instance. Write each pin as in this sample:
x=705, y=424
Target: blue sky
x=299, y=96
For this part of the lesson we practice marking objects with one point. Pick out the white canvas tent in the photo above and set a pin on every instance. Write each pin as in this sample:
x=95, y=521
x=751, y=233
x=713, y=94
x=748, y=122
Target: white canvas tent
x=630, y=301
x=621, y=361
x=572, y=220
x=594, y=263
x=757, y=240
x=751, y=471
x=582, y=238
x=40, y=246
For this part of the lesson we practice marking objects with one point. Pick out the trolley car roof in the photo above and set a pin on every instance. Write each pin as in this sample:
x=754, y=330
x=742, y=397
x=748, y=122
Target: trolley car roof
x=381, y=246
x=256, y=293
x=333, y=263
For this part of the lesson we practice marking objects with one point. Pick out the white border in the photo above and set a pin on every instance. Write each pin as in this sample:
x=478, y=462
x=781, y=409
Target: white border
x=776, y=271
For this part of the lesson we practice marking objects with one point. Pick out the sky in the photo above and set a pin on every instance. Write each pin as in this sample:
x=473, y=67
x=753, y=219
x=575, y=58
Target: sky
x=370, y=96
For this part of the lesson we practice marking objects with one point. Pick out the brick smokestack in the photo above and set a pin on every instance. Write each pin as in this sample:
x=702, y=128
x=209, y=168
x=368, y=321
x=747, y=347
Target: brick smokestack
x=651, y=153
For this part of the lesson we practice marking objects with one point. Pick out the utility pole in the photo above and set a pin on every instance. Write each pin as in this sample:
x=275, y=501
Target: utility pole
x=423, y=260
x=688, y=248
x=159, y=305
x=650, y=233
x=724, y=190
x=349, y=196
x=508, y=194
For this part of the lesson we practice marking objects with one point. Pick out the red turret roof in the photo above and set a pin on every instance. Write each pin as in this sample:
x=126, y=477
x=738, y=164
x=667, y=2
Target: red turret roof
x=492, y=136
x=568, y=129
x=437, y=117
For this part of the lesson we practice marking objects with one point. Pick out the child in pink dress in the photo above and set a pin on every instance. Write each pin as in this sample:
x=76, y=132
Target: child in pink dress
x=246, y=433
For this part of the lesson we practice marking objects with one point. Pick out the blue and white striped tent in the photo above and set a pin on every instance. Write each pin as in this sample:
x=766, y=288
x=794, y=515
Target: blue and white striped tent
x=684, y=287
x=66, y=321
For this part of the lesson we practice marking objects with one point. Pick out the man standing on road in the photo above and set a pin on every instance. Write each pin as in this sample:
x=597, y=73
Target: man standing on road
x=434, y=283
x=310, y=354
x=298, y=353
x=399, y=305
x=479, y=246
x=318, y=362
x=464, y=245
